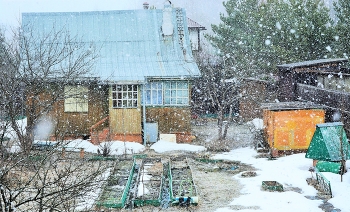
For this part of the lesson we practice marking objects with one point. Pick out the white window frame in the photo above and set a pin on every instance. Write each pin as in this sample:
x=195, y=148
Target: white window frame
x=76, y=98
x=167, y=93
x=154, y=93
x=125, y=96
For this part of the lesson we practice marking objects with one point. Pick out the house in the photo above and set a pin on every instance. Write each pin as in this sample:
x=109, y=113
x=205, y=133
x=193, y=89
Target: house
x=194, y=30
x=253, y=92
x=324, y=81
x=141, y=83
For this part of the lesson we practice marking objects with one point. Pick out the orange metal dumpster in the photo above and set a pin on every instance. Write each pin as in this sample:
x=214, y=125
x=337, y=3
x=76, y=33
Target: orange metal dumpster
x=291, y=129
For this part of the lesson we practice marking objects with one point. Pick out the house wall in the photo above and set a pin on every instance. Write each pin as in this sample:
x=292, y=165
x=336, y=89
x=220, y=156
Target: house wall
x=77, y=124
x=173, y=120
x=194, y=38
x=253, y=93
x=126, y=124
x=286, y=86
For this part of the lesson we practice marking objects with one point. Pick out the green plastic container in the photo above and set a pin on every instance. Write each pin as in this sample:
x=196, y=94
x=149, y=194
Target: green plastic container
x=326, y=166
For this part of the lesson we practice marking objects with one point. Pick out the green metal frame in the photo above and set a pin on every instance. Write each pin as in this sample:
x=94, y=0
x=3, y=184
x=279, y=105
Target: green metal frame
x=193, y=187
x=154, y=202
x=324, y=183
x=114, y=202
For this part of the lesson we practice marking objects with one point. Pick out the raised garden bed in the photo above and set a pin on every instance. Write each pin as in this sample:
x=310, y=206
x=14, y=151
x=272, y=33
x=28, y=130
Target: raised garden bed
x=149, y=183
x=272, y=186
x=117, y=187
x=182, y=190
x=207, y=160
x=102, y=158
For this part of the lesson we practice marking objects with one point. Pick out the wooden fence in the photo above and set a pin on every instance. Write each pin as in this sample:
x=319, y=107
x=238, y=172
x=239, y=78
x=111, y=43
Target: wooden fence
x=334, y=102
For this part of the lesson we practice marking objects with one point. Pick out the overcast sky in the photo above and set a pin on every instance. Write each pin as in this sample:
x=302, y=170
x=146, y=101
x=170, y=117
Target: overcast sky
x=204, y=12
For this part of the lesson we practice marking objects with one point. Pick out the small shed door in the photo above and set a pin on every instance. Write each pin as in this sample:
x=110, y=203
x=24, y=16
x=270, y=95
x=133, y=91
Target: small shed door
x=151, y=132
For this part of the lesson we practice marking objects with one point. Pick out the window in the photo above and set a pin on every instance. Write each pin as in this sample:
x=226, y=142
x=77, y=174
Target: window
x=76, y=98
x=154, y=93
x=167, y=93
x=124, y=96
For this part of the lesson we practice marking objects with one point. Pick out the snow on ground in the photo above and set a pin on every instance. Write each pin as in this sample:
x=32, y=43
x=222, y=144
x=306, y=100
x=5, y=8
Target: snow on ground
x=88, y=200
x=10, y=133
x=290, y=171
x=258, y=123
x=166, y=146
x=117, y=147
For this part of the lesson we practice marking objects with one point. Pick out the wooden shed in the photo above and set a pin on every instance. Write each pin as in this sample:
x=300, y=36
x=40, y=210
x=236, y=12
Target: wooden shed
x=289, y=126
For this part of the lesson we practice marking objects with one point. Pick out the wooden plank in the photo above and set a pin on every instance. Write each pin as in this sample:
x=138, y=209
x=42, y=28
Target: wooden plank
x=126, y=120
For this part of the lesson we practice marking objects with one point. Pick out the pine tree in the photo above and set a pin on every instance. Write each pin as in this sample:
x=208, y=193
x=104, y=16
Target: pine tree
x=342, y=28
x=258, y=35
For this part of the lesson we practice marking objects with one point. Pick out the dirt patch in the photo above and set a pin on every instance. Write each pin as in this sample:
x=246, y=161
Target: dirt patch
x=248, y=174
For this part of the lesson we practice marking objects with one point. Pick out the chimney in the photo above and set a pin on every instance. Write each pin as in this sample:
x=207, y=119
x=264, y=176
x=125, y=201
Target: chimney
x=167, y=25
x=145, y=6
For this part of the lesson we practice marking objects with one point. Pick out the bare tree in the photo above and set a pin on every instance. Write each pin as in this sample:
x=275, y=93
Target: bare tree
x=45, y=181
x=38, y=68
x=35, y=68
x=216, y=91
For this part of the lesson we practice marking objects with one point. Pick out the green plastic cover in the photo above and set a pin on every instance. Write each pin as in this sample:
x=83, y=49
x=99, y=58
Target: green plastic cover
x=327, y=166
x=326, y=143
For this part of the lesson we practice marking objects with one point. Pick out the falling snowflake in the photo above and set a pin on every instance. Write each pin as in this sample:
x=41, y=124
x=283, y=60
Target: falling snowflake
x=278, y=26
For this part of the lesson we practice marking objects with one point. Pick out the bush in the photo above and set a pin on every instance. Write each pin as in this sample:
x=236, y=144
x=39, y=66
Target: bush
x=218, y=146
x=105, y=149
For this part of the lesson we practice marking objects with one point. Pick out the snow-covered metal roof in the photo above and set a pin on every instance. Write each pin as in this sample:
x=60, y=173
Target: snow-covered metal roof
x=309, y=63
x=133, y=43
x=297, y=105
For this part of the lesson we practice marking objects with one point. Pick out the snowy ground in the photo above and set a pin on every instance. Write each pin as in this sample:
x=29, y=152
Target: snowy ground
x=291, y=171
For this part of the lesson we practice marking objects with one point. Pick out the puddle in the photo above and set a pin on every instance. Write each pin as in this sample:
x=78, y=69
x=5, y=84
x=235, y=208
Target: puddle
x=325, y=206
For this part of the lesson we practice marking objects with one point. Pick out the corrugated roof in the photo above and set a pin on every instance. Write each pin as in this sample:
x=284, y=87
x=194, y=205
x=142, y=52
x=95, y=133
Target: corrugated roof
x=311, y=63
x=132, y=43
x=296, y=105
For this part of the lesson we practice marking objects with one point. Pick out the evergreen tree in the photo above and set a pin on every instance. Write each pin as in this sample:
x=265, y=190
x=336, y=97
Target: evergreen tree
x=234, y=37
x=342, y=28
x=258, y=35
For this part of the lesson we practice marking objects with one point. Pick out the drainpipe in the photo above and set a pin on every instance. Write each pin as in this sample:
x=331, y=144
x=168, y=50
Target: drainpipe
x=144, y=110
